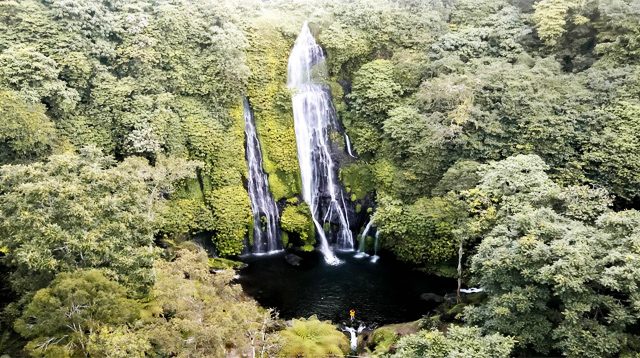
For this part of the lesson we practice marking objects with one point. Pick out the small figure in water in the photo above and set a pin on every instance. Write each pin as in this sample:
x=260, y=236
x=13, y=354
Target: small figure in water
x=352, y=314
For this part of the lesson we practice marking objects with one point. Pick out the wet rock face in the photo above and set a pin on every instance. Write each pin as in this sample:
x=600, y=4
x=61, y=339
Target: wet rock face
x=293, y=259
x=432, y=297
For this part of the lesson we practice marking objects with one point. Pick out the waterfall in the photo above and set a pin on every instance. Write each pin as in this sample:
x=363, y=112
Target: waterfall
x=375, y=256
x=471, y=290
x=354, y=336
x=347, y=141
x=265, y=212
x=314, y=118
x=361, y=244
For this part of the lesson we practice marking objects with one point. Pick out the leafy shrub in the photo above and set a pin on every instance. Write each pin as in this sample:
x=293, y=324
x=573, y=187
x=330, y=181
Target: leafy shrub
x=313, y=338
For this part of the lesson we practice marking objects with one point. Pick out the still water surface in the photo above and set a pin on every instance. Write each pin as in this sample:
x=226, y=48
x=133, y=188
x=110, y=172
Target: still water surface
x=383, y=292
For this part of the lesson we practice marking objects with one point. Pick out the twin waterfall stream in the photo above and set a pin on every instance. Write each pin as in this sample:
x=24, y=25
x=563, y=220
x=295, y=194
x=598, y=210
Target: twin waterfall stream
x=332, y=280
x=266, y=234
x=314, y=119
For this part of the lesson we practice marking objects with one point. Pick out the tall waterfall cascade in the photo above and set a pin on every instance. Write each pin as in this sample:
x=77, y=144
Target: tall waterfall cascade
x=266, y=234
x=314, y=117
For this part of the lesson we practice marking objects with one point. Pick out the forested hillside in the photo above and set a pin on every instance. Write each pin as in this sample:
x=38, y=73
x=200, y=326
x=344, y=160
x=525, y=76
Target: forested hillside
x=494, y=141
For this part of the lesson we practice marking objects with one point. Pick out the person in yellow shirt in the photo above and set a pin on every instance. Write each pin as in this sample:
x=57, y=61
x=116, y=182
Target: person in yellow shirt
x=352, y=314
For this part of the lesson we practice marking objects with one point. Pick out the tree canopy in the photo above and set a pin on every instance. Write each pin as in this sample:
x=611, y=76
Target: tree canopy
x=498, y=135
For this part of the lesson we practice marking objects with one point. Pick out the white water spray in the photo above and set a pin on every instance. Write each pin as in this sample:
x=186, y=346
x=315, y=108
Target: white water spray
x=363, y=237
x=265, y=212
x=347, y=141
x=354, y=336
x=314, y=117
x=375, y=256
x=471, y=290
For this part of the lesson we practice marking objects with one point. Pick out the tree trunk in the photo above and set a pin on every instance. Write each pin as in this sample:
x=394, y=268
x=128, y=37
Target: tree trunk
x=460, y=252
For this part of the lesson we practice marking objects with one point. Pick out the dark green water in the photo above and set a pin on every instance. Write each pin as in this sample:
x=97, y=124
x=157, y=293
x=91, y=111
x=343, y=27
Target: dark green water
x=383, y=292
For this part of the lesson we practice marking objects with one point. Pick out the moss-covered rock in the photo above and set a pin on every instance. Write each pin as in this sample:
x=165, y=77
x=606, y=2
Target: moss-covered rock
x=231, y=217
x=184, y=216
x=296, y=220
x=383, y=339
x=219, y=263
x=271, y=103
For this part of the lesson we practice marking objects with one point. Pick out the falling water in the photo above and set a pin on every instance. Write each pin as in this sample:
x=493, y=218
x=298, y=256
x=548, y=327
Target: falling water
x=375, y=256
x=314, y=117
x=265, y=212
x=363, y=237
x=348, y=143
x=354, y=336
x=471, y=290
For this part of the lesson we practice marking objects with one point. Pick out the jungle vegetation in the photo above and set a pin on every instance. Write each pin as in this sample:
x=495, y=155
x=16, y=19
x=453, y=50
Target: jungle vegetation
x=504, y=133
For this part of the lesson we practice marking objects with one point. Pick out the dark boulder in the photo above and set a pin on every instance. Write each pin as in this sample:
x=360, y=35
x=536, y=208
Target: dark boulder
x=293, y=259
x=432, y=297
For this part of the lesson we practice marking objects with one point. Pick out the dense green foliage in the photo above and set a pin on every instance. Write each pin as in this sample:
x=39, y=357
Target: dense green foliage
x=61, y=318
x=457, y=342
x=313, y=338
x=558, y=265
x=296, y=223
x=500, y=133
x=83, y=211
x=26, y=131
x=189, y=312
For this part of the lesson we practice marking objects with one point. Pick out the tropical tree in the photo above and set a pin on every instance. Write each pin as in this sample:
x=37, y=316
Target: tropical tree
x=61, y=318
x=78, y=211
x=456, y=342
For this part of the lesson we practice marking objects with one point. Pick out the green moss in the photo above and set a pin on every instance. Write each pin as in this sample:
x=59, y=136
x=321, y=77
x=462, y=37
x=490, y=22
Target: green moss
x=182, y=217
x=219, y=263
x=358, y=208
x=251, y=234
x=281, y=184
x=231, y=218
x=297, y=220
x=337, y=138
x=446, y=269
x=359, y=178
x=271, y=103
x=383, y=339
x=190, y=189
x=216, y=137
x=369, y=242
x=337, y=95
x=285, y=239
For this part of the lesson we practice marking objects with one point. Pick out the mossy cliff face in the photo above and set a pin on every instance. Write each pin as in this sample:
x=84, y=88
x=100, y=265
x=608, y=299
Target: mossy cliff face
x=296, y=223
x=270, y=99
x=271, y=102
x=218, y=201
